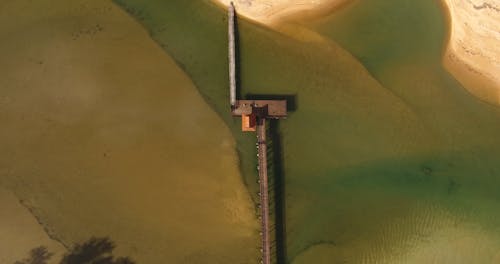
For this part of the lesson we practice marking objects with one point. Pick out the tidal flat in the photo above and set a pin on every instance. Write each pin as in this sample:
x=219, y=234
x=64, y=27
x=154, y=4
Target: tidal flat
x=104, y=135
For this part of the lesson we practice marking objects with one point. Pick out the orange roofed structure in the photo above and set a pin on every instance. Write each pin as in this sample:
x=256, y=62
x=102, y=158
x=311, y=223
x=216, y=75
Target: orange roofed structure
x=248, y=123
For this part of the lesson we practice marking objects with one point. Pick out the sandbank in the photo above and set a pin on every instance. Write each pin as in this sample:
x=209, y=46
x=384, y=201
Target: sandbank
x=473, y=51
x=270, y=12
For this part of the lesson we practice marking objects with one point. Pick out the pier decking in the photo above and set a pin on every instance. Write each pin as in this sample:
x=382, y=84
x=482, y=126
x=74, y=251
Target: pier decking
x=264, y=194
x=262, y=108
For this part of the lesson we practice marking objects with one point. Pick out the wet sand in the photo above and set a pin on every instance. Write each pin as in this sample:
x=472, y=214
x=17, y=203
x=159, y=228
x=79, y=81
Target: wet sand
x=20, y=231
x=103, y=135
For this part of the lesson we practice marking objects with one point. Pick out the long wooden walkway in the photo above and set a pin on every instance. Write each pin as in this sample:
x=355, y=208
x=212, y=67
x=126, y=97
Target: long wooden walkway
x=264, y=194
x=232, y=52
x=261, y=109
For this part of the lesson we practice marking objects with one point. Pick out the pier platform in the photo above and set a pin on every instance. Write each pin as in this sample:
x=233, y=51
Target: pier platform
x=260, y=108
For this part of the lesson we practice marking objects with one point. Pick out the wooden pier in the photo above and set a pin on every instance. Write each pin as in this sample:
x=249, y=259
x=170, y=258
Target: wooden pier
x=231, y=53
x=253, y=115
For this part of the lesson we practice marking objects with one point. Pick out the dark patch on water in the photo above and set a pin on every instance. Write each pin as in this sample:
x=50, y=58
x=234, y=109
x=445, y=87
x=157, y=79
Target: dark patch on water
x=93, y=251
x=427, y=170
x=38, y=255
x=453, y=186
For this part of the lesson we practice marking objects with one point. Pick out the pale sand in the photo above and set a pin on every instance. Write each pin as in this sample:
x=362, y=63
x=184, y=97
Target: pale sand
x=285, y=16
x=103, y=135
x=270, y=12
x=473, y=51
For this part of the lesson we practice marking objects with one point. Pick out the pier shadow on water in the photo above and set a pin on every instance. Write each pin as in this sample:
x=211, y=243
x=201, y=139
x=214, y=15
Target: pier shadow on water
x=277, y=184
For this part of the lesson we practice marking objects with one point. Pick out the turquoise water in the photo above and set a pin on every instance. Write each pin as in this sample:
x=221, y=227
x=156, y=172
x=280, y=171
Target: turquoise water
x=385, y=155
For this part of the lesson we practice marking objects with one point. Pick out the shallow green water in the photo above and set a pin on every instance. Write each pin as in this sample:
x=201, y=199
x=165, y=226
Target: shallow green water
x=379, y=166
